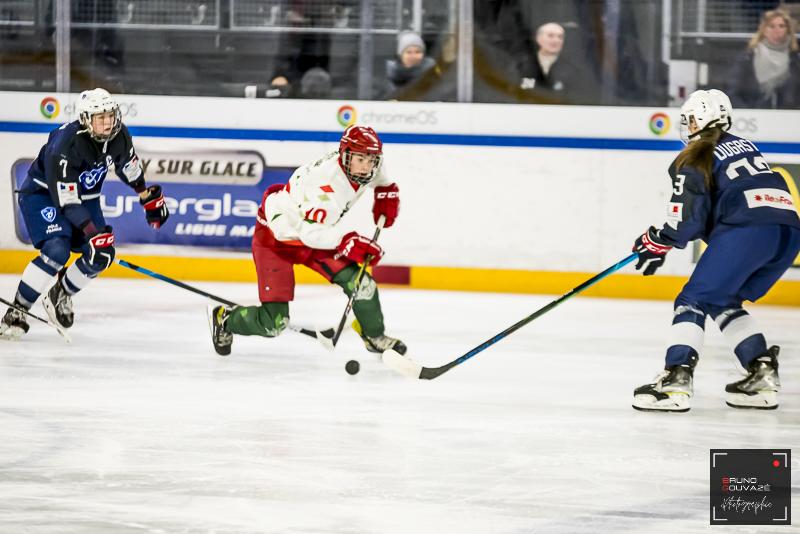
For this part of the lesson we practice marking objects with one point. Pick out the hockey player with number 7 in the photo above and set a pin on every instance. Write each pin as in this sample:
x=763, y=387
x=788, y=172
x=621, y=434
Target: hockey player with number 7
x=724, y=193
x=298, y=224
x=60, y=203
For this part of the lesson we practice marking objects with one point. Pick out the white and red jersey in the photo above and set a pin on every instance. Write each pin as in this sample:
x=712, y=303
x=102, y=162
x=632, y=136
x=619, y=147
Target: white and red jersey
x=317, y=196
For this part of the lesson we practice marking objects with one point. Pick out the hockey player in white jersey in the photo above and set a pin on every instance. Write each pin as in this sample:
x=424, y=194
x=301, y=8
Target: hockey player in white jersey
x=297, y=223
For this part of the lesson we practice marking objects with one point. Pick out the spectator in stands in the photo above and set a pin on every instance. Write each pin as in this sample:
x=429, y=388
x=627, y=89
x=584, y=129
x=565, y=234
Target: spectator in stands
x=315, y=83
x=279, y=87
x=548, y=74
x=412, y=74
x=767, y=75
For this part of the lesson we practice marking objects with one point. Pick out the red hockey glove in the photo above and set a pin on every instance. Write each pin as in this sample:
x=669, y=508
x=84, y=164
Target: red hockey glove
x=652, y=251
x=101, y=249
x=357, y=247
x=387, y=203
x=155, y=208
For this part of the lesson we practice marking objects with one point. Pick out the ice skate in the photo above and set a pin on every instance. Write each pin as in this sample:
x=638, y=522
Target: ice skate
x=13, y=325
x=670, y=392
x=759, y=389
x=380, y=344
x=58, y=305
x=222, y=339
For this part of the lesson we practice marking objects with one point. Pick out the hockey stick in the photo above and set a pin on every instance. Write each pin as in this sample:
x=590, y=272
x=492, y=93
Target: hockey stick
x=153, y=274
x=356, y=286
x=405, y=366
x=58, y=328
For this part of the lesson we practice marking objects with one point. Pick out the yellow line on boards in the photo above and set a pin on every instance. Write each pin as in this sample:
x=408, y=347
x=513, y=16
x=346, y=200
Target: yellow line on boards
x=785, y=292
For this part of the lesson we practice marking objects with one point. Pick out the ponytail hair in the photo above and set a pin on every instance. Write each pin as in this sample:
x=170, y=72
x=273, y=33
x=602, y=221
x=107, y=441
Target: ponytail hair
x=700, y=154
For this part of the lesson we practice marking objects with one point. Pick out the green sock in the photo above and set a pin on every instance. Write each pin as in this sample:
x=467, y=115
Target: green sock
x=268, y=320
x=366, y=305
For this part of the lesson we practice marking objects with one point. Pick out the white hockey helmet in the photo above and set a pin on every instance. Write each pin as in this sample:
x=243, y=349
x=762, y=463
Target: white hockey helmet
x=704, y=109
x=96, y=101
x=725, y=108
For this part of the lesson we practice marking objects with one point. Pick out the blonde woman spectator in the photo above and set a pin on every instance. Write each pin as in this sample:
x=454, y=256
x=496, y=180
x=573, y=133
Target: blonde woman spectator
x=768, y=74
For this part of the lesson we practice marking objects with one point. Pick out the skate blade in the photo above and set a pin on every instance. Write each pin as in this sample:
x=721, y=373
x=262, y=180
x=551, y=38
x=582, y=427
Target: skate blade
x=12, y=333
x=50, y=310
x=399, y=363
x=760, y=401
x=678, y=403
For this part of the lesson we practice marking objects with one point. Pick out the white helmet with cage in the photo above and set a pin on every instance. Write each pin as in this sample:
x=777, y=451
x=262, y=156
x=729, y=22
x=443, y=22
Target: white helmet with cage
x=702, y=109
x=96, y=101
x=725, y=108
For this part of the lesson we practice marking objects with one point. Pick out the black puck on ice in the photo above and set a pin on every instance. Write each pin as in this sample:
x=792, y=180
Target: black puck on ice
x=352, y=367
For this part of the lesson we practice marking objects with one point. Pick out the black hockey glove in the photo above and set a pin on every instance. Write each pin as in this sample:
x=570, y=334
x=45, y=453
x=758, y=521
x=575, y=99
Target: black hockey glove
x=101, y=249
x=155, y=208
x=652, y=251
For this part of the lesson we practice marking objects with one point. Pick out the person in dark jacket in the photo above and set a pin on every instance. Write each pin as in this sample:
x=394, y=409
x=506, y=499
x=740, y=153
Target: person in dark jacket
x=548, y=76
x=767, y=75
x=412, y=74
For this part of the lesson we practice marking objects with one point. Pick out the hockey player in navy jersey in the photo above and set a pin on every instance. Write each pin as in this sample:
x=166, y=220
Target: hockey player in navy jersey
x=723, y=192
x=60, y=203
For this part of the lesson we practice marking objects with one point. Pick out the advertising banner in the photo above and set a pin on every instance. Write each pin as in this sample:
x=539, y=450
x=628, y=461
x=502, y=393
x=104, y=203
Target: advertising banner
x=213, y=197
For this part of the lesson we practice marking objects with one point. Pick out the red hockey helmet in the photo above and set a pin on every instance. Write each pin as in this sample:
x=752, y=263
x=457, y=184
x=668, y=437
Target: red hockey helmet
x=360, y=140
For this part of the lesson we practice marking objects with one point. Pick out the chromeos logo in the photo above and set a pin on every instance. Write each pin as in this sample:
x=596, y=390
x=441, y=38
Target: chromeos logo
x=49, y=107
x=659, y=123
x=346, y=116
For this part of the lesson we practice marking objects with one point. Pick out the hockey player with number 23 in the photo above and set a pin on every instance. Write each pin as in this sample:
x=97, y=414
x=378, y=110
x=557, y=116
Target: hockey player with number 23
x=298, y=224
x=724, y=193
x=60, y=203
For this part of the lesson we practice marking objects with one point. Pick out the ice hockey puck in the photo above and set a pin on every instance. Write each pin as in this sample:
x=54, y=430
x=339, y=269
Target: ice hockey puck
x=352, y=367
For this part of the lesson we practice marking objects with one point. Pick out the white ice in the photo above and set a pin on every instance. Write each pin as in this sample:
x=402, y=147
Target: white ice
x=140, y=427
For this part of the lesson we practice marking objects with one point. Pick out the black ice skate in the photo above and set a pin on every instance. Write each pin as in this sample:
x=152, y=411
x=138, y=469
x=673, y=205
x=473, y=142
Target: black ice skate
x=58, y=305
x=671, y=391
x=381, y=344
x=759, y=389
x=13, y=325
x=222, y=339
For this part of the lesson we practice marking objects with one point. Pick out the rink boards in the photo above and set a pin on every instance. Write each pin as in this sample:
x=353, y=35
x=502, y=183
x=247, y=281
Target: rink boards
x=494, y=198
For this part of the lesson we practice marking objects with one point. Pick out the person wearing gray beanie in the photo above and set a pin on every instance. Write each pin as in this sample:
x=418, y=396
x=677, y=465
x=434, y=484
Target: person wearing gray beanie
x=403, y=74
x=406, y=39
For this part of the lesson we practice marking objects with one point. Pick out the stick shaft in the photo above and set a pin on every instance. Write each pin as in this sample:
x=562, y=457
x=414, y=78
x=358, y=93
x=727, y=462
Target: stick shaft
x=429, y=373
x=357, y=285
x=172, y=281
x=178, y=283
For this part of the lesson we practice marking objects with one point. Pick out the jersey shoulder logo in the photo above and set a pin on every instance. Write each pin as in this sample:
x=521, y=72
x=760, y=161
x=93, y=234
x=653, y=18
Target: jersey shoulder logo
x=92, y=177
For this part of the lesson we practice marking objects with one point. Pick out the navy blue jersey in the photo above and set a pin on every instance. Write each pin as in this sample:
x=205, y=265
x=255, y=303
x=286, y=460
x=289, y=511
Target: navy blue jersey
x=746, y=192
x=72, y=167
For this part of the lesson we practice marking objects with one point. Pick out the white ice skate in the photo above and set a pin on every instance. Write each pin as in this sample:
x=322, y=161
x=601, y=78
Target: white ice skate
x=759, y=389
x=670, y=392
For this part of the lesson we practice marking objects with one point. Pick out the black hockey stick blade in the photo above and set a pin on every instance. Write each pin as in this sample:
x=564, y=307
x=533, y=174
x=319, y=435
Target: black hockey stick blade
x=411, y=369
x=158, y=276
x=58, y=328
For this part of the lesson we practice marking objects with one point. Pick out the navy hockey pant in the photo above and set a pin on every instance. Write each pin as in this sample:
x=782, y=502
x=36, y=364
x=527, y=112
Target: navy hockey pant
x=740, y=264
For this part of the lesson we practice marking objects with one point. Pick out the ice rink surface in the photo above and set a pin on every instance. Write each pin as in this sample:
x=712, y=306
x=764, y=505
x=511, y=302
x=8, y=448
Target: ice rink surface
x=140, y=427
